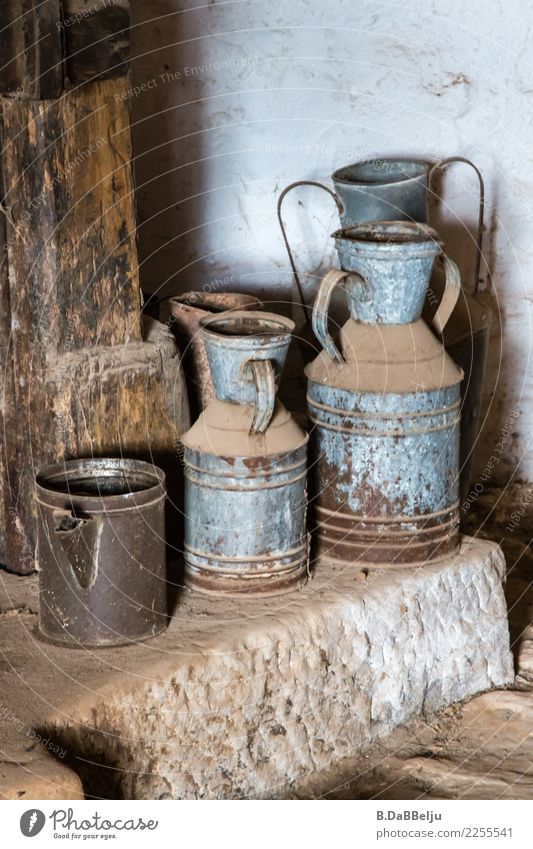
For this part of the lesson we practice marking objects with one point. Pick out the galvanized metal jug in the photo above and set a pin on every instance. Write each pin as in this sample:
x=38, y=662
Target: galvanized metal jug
x=384, y=404
x=187, y=311
x=399, y=189
x=101, y=552
x=245, y=466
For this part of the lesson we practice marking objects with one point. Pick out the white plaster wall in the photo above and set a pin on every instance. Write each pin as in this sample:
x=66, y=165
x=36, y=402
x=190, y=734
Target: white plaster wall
x=242, y=97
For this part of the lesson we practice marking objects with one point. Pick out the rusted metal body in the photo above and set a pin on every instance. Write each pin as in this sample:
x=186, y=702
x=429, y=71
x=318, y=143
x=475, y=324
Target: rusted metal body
x=245, y=466
x=101, y=552
x=470, y=353
x=399, y=189
x=187, y=312
x=384, y=404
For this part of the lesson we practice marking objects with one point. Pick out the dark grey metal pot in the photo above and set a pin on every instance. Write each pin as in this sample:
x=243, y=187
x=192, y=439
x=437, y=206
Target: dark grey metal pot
x=101, y=551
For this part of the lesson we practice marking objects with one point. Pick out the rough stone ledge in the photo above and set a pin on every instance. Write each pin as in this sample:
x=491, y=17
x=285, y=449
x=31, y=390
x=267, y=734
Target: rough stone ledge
x=244, y=699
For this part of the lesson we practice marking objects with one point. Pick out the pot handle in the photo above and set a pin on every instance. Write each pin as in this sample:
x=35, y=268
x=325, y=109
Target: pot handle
x=79, y=537
x=481, y=212
x=281, y=198
x=450, y=296
x=321, y=312
x=265, y=386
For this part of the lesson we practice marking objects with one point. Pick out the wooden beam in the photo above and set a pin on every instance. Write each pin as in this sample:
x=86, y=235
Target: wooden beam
x=77, y=378
x=97, y=39
x=31, y=49
x=69, y=188
x=48, y=46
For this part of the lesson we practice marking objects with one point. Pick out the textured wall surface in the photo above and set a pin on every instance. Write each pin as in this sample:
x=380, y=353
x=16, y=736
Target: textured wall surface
x=242, y=97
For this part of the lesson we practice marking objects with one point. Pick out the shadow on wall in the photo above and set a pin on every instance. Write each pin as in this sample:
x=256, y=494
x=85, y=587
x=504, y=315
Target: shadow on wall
x=207, y=171
x=167, y=138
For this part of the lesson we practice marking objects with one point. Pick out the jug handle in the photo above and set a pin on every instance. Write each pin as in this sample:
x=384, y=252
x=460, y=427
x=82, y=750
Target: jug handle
x=481, y=212
x=265, y=386
x=79, y=537
x=450, y=296
x=321, y=312
x=281, y=198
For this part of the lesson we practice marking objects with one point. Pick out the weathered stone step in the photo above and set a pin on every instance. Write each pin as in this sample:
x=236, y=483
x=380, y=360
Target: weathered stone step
x=248, y=698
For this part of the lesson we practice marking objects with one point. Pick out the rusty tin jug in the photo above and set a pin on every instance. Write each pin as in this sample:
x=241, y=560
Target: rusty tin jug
x=101, y=552
x=384, y=404
x=245, y=466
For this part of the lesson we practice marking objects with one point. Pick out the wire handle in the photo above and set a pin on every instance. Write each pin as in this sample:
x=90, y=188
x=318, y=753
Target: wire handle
x=281, y=198
x=481, y=214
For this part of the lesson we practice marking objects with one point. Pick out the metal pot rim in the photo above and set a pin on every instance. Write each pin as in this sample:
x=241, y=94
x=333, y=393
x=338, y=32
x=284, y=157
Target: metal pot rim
x=360, y=237
x=276, y=327
x=419, y=166
x=90, y=467
x=202, y=301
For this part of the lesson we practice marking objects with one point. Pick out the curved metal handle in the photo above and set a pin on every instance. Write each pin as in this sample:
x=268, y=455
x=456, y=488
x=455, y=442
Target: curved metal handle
x=450, y=296
x=285, y=192
x=481, y=214
x=79, y=537
x=321, y=312
x=265, y=385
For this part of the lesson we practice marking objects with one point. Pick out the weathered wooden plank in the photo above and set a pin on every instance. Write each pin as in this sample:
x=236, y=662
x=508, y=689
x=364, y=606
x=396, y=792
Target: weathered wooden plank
x=6, y=388
x=78, y=378
x=69, y=193
x=49, y=45
x=31, y=49
x=110, y=401
x=96, y=38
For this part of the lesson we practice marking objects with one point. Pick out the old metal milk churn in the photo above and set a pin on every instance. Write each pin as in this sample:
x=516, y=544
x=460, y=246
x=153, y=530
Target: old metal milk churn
x=384, y=403
x=245, y=465
x=385, y=189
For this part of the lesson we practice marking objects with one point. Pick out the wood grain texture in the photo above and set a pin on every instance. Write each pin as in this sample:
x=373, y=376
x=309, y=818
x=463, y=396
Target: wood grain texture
x=78, y=379
x=69, y=198
x=96, y=39
x=31, y=43
x=51, y=45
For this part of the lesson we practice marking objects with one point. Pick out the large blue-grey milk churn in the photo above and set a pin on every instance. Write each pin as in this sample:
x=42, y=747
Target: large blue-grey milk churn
x=245, y=466
x=387, y=189
x=384, y=403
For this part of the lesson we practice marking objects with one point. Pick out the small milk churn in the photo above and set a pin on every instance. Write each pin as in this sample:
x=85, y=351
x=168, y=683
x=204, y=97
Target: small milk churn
x=384, y=403
x=245, y=466
x=101, y=552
